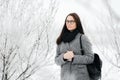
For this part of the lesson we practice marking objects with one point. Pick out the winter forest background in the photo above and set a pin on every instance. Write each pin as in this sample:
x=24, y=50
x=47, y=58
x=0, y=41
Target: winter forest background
x=29, y=28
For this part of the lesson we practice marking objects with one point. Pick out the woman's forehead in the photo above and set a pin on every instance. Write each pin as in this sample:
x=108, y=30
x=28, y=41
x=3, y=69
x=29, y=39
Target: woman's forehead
x=70, y=18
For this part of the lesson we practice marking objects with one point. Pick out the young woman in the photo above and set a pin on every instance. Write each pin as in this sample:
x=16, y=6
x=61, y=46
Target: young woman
x=68, y=55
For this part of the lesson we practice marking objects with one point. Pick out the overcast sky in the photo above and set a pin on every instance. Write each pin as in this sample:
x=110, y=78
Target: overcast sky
x=21, y=22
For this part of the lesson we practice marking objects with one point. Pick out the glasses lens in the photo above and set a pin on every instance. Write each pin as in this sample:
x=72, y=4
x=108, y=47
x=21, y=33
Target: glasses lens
x=70, y=21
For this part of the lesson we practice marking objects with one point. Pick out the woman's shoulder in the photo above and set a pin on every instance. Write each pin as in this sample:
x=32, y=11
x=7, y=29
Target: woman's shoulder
x=83, y=36
x=85, y=40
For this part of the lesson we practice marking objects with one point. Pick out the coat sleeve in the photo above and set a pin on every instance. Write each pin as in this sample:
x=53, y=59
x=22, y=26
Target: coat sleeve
x=88, y=56
x=59, y=60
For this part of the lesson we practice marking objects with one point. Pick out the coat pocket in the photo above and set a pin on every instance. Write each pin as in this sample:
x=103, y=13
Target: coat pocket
x=82, y=69
x=81, y=66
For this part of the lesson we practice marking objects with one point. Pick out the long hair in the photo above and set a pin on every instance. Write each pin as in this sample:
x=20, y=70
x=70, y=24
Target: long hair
x=78, y=25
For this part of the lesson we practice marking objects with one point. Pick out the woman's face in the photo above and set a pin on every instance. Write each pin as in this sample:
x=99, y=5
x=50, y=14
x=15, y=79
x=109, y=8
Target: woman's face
x=70, y=23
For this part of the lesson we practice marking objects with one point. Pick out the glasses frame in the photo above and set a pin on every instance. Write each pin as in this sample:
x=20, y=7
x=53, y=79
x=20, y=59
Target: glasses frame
x=70, y=21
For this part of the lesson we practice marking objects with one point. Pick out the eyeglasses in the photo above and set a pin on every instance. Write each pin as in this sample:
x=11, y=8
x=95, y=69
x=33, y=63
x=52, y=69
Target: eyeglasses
x=70, y=21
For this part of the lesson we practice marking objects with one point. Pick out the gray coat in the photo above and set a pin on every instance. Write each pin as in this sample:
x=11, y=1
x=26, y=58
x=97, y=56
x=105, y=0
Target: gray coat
x=76, y=69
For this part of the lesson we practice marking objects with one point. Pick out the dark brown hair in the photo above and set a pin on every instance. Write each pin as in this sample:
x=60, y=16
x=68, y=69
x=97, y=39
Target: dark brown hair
x=78, y=24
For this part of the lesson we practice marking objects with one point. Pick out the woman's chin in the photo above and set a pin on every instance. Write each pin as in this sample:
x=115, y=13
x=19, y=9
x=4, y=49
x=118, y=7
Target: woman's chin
x=70, y=29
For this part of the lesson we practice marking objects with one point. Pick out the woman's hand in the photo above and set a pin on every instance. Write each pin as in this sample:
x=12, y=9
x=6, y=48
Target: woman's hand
x=69, y=55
